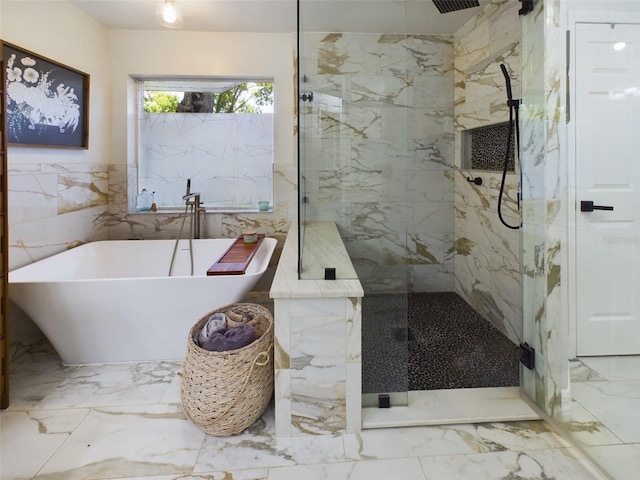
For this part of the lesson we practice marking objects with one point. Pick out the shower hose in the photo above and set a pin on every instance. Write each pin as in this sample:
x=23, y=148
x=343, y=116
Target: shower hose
x=513, y=115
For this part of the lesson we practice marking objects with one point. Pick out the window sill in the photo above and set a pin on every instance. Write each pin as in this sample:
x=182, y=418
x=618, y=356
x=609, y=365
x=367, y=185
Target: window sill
x=226, y=210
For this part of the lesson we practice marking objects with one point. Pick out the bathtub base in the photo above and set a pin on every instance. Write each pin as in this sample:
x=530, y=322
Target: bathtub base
x=112, y=301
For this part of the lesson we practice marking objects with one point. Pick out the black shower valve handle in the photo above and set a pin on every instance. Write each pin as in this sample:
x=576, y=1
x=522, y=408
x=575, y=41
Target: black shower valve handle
x=307, y=97
x=476, y=180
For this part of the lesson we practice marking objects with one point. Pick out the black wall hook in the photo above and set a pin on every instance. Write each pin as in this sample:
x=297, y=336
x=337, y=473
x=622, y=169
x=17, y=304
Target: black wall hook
x=476, y=180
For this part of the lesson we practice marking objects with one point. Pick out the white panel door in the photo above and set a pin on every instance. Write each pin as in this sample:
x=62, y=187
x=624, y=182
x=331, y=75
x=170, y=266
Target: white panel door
x=607, y=126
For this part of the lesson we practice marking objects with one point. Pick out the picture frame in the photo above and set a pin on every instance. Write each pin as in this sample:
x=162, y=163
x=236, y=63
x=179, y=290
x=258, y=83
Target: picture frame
x=47, y=103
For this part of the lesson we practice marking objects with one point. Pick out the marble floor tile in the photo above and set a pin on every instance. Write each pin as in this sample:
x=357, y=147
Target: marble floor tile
x=405, y=469
x=450, y=440
x=136, y=441
x=519, y=436
x=612, y=368
x=125, y=421
x=412, y=442
x=621, y=462
x=173, y=392
x=531, y=464
x=251, y=474
x=113, y=384
x=36, y=371
x=29, y=439
x=604, y=413
x=580, y=372
x=615, y=404
x=586, y=429
x=258, y=447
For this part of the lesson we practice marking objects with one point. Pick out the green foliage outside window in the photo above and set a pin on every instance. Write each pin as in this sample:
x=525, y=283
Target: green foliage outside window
x=160, y=102
x=244, y=98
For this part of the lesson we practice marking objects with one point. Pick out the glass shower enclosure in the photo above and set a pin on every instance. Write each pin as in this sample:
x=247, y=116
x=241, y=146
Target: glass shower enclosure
x=375, y=122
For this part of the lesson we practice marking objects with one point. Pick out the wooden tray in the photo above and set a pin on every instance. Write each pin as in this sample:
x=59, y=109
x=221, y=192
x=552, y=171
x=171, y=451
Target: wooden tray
x=237, y=257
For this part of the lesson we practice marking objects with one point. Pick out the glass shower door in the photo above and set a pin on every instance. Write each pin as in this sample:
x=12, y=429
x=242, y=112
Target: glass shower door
x=353, y=156
x=386, y=337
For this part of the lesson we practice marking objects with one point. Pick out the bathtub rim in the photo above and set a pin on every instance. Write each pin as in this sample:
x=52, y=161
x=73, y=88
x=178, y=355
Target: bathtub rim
x=269, y=243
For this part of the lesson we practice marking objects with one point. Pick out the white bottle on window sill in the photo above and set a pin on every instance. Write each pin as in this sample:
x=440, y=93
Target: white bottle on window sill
x=144, y=201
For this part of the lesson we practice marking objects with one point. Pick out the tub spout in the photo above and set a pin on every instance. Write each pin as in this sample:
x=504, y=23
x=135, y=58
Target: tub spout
x=192, y=201
x=193, y=209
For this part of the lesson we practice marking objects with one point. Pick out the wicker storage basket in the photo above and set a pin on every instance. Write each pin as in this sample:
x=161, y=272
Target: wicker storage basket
x=223, y=393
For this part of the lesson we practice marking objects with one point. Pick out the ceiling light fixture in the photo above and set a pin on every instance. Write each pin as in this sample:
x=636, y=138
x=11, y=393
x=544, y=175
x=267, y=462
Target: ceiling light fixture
x=168, y=14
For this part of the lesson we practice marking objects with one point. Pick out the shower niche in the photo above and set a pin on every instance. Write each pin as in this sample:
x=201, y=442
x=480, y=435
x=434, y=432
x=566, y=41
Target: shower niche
x=484, y=148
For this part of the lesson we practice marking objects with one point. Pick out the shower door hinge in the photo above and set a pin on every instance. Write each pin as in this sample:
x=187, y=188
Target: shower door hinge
x=527, y=355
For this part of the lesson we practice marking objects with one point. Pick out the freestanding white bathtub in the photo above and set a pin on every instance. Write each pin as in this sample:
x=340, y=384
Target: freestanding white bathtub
x=113, y=301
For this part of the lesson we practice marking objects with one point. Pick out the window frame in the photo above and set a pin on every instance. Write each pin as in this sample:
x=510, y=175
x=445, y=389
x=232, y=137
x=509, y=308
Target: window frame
x=139, y=82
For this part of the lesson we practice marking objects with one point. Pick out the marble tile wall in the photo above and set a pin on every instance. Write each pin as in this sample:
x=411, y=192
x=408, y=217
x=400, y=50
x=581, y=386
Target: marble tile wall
x=53, y=207
x=379, y=153
x=544, y=191
x=487, y=254
x=318, y=361
x=313, y=384
x=123, y=223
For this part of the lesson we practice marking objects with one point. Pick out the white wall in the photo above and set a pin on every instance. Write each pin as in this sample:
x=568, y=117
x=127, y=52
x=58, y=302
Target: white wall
x=200, y=53
x=56, y=194
x=59, y=198
x=166, y=53
x=61, y=32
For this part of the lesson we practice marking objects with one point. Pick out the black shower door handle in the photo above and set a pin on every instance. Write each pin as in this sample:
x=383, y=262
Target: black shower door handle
x=588, y=206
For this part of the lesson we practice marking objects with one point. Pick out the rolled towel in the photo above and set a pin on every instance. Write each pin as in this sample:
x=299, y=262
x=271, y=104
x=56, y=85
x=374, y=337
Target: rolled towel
x=230, y=338
x=234, y=318
x=217, y=321
x=259, y=323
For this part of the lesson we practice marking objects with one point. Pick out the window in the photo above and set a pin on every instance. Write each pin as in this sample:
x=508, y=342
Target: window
x=217, y=133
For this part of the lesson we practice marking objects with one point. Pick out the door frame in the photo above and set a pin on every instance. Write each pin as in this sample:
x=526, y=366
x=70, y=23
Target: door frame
x=574, y=17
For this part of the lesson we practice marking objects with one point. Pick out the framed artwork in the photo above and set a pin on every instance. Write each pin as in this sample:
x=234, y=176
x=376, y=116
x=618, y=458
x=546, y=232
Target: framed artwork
x=47, y=103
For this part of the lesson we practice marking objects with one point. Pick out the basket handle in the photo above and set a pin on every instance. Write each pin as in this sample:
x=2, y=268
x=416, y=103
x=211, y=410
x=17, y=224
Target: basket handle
x=259, y=363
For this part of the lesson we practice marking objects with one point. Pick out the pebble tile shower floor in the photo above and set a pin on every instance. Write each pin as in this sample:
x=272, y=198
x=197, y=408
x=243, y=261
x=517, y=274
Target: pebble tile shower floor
x=448, y=345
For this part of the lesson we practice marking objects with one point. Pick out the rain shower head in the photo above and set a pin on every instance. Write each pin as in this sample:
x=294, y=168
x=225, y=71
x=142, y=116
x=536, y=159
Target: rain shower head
x=446, y=6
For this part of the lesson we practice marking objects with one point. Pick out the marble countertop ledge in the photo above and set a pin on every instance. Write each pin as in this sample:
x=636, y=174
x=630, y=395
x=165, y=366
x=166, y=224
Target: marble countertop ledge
x=325, y=249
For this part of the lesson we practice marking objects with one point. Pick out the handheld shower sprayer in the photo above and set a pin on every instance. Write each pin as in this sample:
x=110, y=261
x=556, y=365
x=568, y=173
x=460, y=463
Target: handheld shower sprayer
x=507, y=80
x=513, y=107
